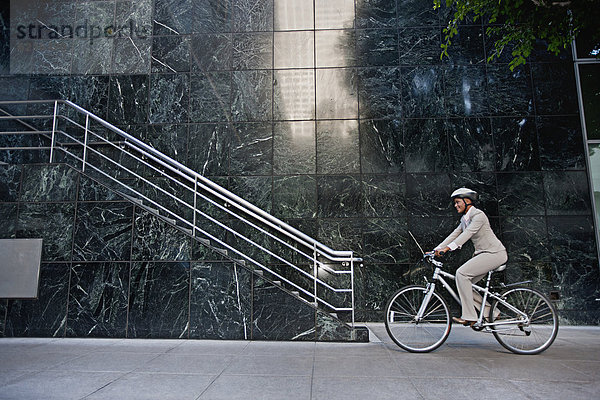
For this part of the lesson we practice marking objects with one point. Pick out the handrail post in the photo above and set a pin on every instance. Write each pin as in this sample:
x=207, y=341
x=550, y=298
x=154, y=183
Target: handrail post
x=315, y=272
x=195, y=205
x=352, y=285
x=85, y=141
x=53, y=131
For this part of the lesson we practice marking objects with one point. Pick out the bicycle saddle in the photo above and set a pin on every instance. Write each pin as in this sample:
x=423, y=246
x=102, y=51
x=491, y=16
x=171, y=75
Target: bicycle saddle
x=500, y=268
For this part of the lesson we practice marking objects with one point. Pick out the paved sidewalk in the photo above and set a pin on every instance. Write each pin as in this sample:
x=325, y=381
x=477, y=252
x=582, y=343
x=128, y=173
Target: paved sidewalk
x=469, y=366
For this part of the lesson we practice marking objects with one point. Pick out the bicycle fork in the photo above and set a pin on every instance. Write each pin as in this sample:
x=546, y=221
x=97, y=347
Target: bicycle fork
x=428, y=293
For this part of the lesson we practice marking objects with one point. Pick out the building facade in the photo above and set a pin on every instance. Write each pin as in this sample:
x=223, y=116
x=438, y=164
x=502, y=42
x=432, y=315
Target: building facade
x=337, y=116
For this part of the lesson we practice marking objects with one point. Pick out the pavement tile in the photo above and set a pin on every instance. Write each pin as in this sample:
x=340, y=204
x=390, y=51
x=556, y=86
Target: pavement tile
x=154, y=386
x=259, y=387
x=60, y=385
x=326, y=388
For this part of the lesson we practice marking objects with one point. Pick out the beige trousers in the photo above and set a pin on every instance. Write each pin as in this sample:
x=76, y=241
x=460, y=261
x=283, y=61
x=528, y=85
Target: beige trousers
x=471, y=272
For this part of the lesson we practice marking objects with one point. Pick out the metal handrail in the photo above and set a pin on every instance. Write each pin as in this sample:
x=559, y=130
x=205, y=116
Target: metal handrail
x=231, y=197
x=198, y=181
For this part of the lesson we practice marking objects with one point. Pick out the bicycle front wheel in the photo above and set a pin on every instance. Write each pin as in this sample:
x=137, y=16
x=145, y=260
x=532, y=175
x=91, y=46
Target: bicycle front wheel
x=417, y=336
x=521, y=335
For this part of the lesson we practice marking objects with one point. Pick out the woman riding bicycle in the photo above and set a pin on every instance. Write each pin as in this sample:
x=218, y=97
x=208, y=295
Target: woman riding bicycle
x=489, y=252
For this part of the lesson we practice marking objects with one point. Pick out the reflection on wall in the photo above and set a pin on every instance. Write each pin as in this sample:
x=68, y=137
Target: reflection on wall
x=335, y=115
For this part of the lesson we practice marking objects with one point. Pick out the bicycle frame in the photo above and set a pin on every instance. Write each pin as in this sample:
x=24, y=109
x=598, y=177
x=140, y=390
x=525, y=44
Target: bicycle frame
x=439, y=274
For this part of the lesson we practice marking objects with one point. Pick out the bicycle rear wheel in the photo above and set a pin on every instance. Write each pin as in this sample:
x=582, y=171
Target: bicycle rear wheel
x=530, y=337
x=417, y=336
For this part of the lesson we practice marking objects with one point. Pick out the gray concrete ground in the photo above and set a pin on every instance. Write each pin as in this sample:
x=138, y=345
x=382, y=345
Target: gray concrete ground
x=469, y=366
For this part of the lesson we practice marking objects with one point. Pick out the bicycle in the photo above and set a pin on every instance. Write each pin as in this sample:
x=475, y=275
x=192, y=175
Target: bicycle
x=522, y=319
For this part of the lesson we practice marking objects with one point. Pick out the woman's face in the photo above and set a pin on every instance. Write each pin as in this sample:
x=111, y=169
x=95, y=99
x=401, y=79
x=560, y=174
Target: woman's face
x=460, y=205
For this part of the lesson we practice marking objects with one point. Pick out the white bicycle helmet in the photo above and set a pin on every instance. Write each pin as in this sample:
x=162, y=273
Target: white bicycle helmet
x=464, y=193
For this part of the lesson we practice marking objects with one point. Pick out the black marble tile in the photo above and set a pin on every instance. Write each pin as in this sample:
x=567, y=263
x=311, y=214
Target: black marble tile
x=379, y=91
x=417, y=13
x=277, y=315
x=382, y=281
x=428, y=232
x=91, y=190
x=572, y=241
x=169, y=98
x=92, y=56
x=334, y=14
x=419, y=46
x=335, y=48
x=208, y=149
x=57, y=232
x=103, y=231
x=128, y=99
x=561, y=143
x=294, y=94
x=294, y=49
x=509, y=92
x=376, y=14
x=220, y=301
x=252, y=15
x=171, y=54
x=465, y=90
x=422, y=92
x=10, y=182
x=525, y=239
x=381, y=146
x=14, y=88
x=252, y=149
x=159, y=300
x=47, y=87
x=48, y=183
x=8, y=220
x=386, y=241
x=339, y=196
x=467, y=46
x=471, y=145
x=341, y=234
x=567, y=193
x=426, y=148
x=98, y=300
x=384, y=195
x=332, y=329
x=154, y=240
x=554, y=88
x=90, y=93
x=295, y=197
x=211, y=16
x=170, y=140
x=252, y=51
x=254, y=189
x=251, y=95
x=521, y=194
x=483, y=183
x=428, y=195
x=132, y=56
x=139, y=12
x=294, y=147
x=46, y=315
x=515, y=140
x=336, y=94
x=377, y=47
x=210, y=97
x=211, y=52
x=338, y=147
x=173, y=17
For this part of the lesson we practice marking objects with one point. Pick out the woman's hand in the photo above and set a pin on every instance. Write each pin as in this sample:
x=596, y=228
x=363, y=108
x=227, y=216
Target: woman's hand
x=441, y=252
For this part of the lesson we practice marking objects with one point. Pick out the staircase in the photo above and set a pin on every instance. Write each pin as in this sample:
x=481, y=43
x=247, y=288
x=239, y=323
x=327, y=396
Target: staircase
x=59, y=131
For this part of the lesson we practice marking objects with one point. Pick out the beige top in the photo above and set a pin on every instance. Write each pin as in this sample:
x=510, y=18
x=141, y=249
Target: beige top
x=477, y=228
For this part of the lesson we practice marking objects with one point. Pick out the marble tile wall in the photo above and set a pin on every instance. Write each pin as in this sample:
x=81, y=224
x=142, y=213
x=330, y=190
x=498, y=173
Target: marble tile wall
x=110, y=269
x=337, y=116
